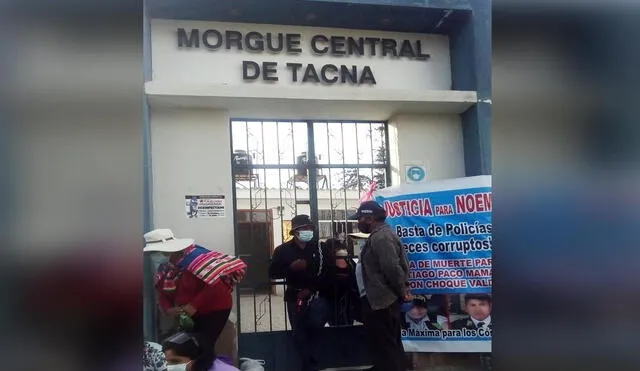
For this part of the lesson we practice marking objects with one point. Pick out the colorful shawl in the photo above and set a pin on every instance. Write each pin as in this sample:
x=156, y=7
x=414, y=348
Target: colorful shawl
x=209, y=266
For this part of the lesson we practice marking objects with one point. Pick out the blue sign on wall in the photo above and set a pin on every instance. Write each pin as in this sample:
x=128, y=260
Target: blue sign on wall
x=415, y=173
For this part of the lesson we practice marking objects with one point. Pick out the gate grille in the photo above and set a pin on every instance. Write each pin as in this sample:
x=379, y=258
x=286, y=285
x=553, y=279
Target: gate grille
x=285, y=168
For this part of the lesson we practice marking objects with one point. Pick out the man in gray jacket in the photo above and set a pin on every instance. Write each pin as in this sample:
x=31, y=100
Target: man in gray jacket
x=385, y=274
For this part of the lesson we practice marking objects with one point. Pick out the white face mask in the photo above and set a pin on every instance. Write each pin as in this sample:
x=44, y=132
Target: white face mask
x=305, y=236
x=180, y=367
x=159, y=258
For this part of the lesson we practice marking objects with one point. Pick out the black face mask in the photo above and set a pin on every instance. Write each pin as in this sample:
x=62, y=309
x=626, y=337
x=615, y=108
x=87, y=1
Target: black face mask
x=364, y=227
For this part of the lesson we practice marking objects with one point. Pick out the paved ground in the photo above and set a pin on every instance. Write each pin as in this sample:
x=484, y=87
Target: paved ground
x=261, y=313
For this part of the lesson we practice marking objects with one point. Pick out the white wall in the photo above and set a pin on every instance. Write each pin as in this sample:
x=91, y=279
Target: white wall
x=224, y=67
x=191, y=154
x=435, y=140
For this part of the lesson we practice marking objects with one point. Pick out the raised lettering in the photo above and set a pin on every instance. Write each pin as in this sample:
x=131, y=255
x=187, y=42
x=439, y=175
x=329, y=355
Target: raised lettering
x=246, y=66
x=294, y=67
x=406, y=50
x=355, y=46
x=352, y=75
x=254, y=41
x=270, y=41
x=389, y=47
x=314, y=44
x=367, y=76
x=193, y=40
x=293, y=43
x=372, y=41
x=337, y=45
x=233, y=37
x=269, y=71
x=419, y=54
x=310, y=74
x=206, y=39
x=325, y=69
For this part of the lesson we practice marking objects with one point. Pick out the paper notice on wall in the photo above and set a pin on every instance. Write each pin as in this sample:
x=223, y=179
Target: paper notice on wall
x=204, y=206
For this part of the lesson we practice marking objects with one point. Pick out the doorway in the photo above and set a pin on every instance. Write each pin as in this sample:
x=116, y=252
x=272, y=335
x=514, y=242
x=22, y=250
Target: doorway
x=283, y=168
x=255, y=245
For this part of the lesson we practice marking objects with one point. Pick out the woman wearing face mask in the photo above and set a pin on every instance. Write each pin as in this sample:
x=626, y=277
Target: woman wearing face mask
x=192, y=352
x=194, y=284
x=341, y=291
x=303, y=262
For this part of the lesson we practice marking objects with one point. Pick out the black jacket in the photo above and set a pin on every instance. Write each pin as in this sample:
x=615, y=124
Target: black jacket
x=314, y=278
x=340, y=281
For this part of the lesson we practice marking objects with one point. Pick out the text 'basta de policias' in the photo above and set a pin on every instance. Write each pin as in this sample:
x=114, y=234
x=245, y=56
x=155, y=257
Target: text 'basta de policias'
x=291, y=43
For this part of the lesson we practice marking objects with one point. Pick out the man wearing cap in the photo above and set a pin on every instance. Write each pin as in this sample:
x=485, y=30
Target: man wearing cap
x=417, y=316
x=385, y=275
x=303, y=262
x=194, y=283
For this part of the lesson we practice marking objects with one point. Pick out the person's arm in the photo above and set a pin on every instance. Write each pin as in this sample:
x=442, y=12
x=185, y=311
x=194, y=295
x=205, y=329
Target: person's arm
x=279, y=266
x=385, y=249
x=327, y=278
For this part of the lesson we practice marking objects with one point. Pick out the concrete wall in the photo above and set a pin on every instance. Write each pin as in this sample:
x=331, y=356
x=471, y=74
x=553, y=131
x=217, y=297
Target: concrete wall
x=435, y=140
x=191, y=152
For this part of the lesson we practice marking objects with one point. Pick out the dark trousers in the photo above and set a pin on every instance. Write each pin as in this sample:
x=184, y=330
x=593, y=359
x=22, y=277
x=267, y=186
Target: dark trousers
x=383, y=329
x=306, y=326
x=211, y=324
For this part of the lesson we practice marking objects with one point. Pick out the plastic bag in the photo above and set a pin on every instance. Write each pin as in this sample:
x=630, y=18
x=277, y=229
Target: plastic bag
x=248, y=364
x=185, y=323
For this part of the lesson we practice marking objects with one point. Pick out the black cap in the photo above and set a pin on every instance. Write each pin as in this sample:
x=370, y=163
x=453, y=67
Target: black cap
x=420, y=301
x=300, y=221
x=371, y=208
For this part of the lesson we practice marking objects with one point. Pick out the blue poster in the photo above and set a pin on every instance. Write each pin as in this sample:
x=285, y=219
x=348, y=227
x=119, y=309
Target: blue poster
x=445, y=227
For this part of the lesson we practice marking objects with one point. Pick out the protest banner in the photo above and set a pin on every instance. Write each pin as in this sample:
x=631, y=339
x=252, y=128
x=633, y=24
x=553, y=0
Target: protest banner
x=445, y=228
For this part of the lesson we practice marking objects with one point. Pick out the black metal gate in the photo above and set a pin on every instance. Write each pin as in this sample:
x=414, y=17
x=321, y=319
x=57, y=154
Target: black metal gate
x=285, y=168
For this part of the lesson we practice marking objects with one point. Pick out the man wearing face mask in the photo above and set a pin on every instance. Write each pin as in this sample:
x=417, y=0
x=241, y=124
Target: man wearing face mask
x=385, y=275
x=302, y=261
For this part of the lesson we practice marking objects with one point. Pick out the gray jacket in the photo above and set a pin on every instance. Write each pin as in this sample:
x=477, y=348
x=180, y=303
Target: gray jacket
x=385, y=270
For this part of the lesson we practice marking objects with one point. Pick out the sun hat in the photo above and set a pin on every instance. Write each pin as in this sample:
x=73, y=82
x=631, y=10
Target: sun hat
x=359, y=235
x=300, y=221
x=163, y=240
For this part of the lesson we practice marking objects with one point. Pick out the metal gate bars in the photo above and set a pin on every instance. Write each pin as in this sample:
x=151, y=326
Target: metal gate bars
x=284, y=168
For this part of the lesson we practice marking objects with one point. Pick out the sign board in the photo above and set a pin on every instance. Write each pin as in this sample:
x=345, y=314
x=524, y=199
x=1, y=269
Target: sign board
x=243, y=53
x=415, y=173
x=445, y=228
x=204, y=206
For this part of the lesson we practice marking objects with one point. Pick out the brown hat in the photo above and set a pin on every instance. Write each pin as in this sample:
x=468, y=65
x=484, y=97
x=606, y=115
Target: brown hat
x=300, y=221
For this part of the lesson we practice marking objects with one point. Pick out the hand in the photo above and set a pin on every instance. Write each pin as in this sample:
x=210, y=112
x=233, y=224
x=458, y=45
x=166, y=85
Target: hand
x=189, y=310
x=341, y=263
x=174, y=311
x=407, y=295
x=304, y=293
x=299, y=265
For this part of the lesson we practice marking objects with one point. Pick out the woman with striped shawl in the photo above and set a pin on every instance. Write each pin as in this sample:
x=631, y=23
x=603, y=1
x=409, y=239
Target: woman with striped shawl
x=194, y=283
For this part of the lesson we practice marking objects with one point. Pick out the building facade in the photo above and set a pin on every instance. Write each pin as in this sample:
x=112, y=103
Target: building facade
x=420, y=69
